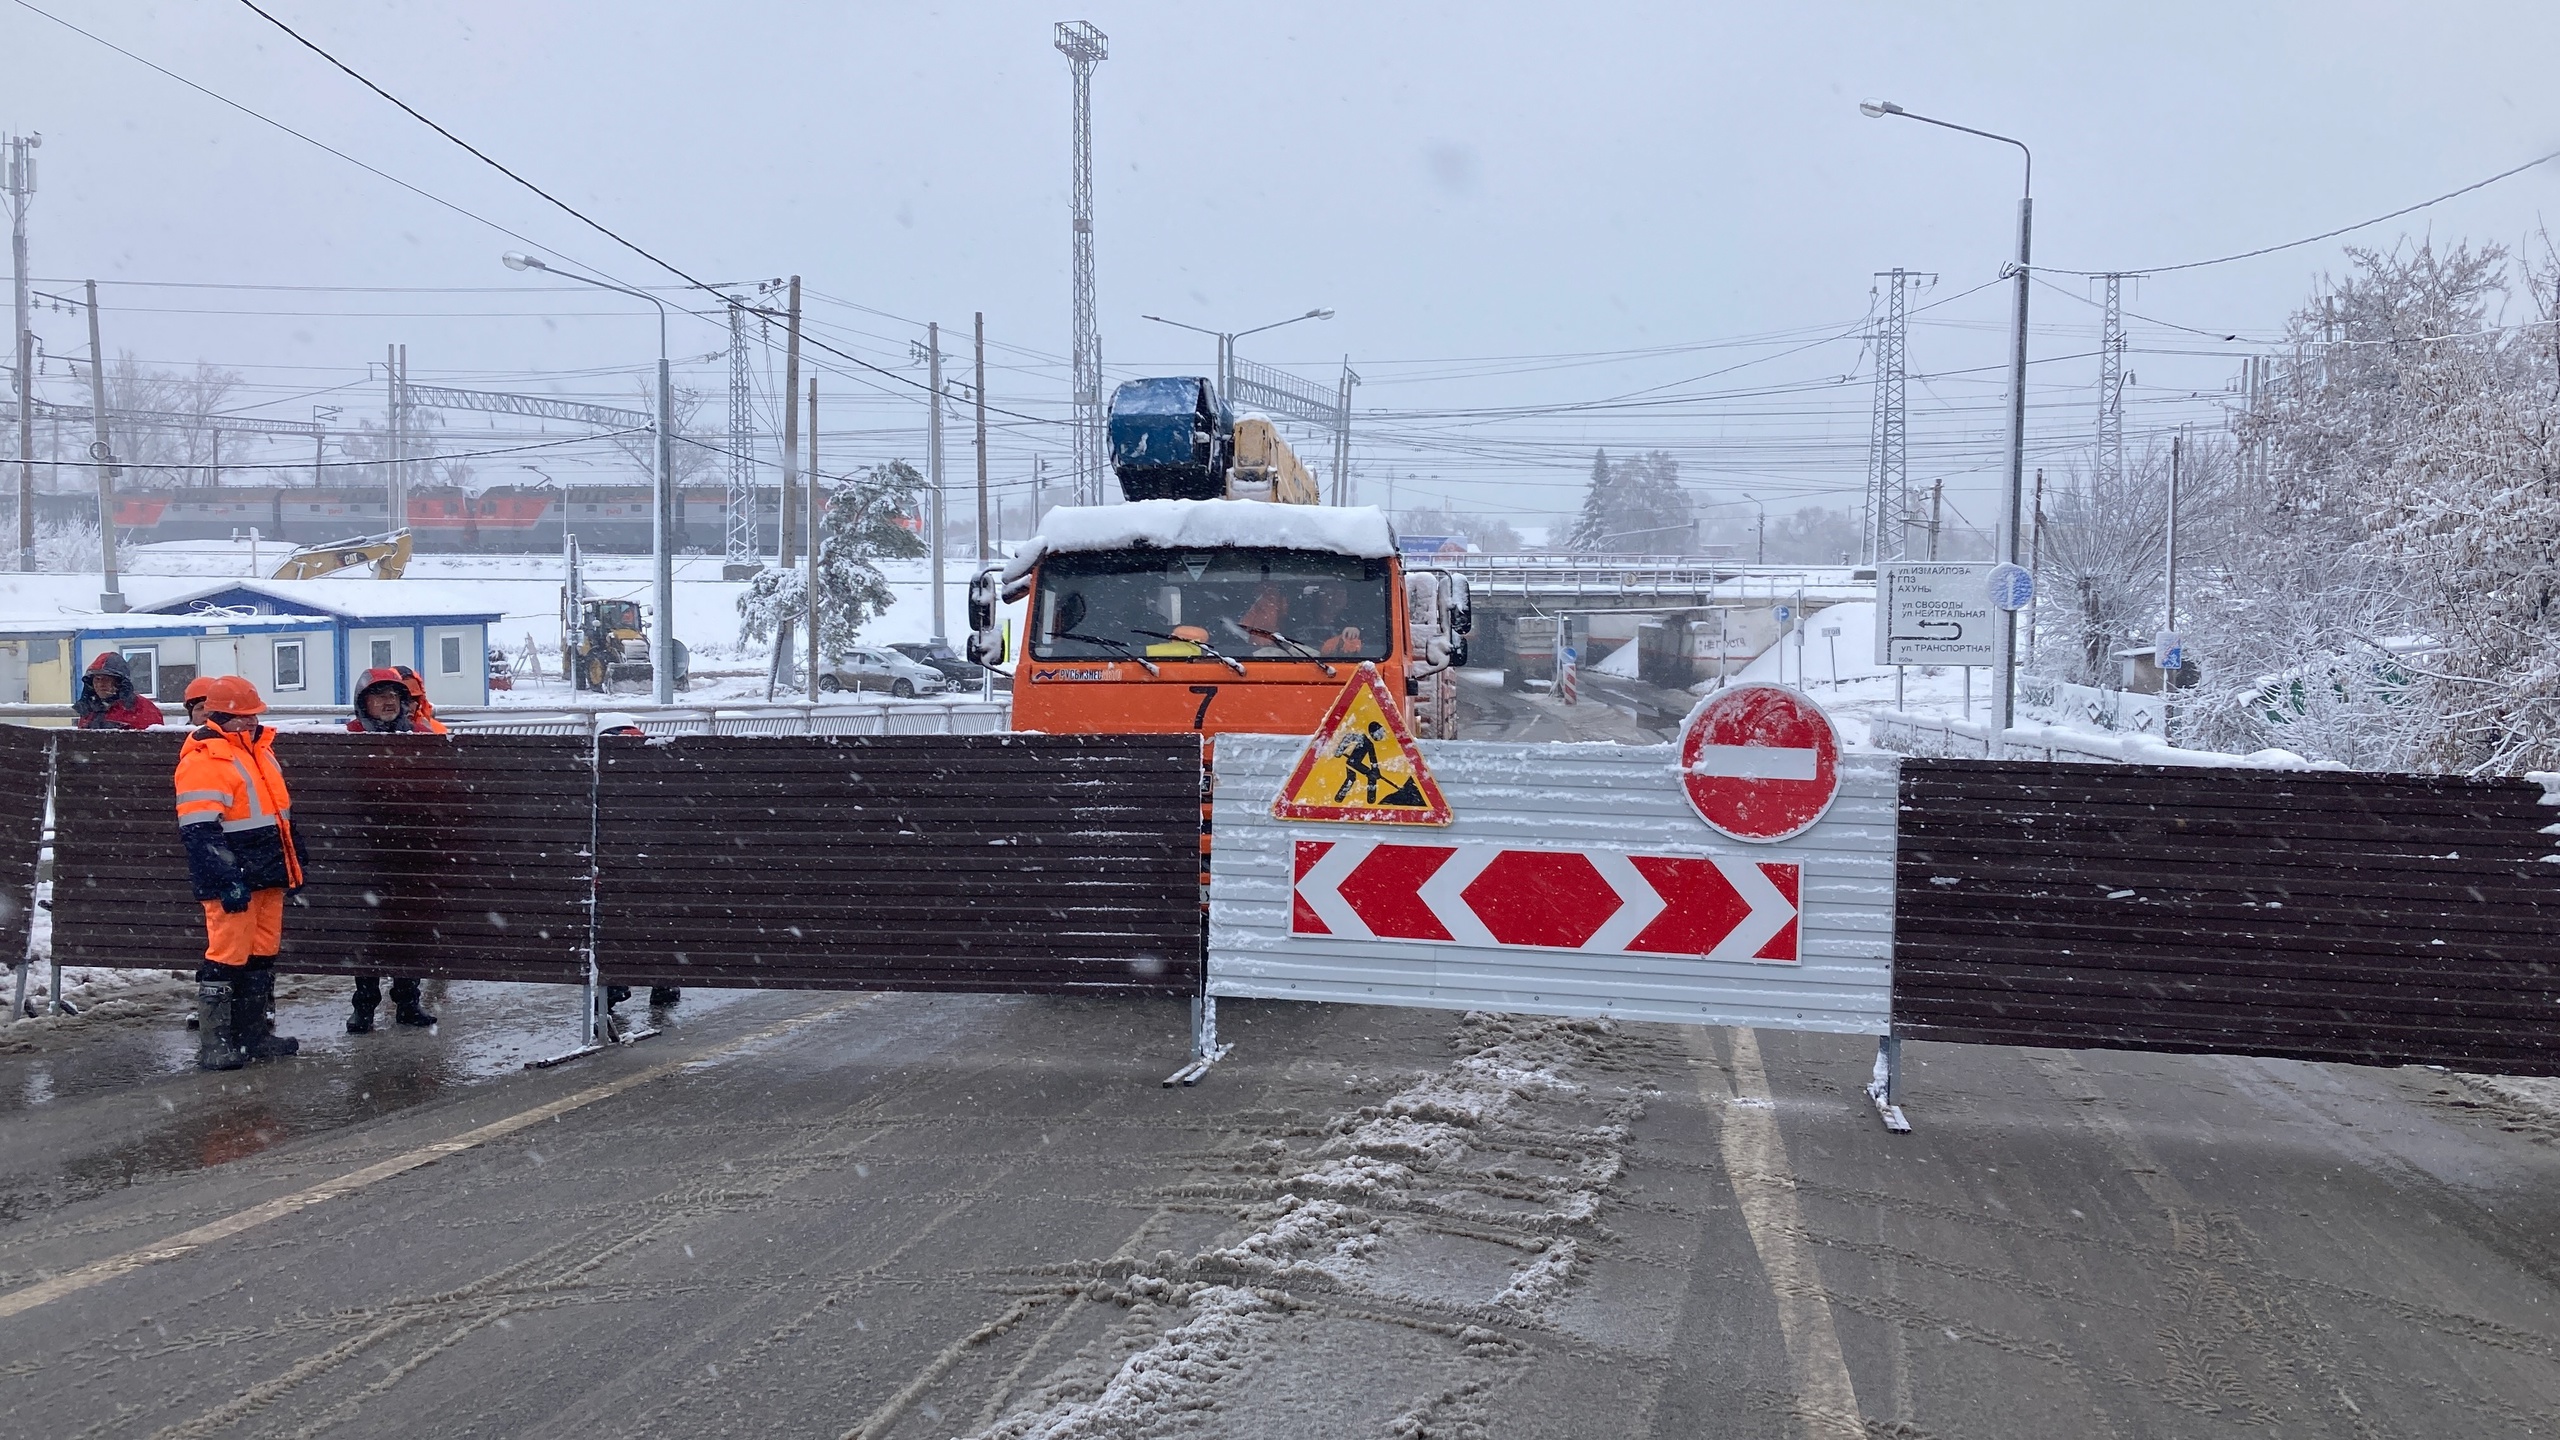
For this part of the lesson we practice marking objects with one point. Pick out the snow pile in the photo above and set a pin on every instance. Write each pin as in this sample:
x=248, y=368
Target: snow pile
x=1448, y=1195
x=1165, y=1376
x=1359, y=530
x=1620, y=662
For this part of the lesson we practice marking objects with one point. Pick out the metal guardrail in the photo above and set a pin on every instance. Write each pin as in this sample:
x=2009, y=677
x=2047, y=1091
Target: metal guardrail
x=1946, y=737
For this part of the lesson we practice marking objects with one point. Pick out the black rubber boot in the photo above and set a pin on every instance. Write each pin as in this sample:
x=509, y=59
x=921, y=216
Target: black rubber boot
x=664, y=994
x=404, y=1001
x=368, y=998
x=214, y=1050
x=253, y=994
x=615, y=995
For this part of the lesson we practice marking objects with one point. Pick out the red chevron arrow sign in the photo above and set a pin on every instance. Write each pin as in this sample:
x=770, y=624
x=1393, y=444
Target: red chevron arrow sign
x=1594, y=901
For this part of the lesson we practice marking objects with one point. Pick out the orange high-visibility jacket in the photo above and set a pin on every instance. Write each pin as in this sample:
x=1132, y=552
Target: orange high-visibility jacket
x=235, y=814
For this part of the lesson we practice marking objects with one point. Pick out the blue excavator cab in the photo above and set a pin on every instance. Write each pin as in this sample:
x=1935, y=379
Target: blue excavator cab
x=1172, y=438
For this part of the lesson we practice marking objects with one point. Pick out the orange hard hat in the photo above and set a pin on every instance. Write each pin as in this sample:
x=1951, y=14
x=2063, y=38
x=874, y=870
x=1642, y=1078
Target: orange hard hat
x=200, y=687
x=409, y=677
x=380, y=675
x=233, y=695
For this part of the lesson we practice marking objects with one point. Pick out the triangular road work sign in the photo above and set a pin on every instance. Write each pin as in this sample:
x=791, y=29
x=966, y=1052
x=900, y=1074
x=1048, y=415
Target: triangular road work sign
x=1362, y=765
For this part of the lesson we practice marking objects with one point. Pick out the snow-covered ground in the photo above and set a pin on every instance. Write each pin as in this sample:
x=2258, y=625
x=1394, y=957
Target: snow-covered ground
x=523, y=590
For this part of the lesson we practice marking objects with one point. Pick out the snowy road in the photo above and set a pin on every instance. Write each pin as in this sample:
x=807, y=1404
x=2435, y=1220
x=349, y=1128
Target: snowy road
x=919, y=1216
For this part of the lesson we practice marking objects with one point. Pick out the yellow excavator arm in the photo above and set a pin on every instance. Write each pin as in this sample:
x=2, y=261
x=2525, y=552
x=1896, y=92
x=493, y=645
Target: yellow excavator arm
x=387, y=554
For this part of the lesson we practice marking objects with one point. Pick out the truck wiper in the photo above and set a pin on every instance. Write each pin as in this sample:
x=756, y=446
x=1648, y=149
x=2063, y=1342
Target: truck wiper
x=1127, y=651
x=1301, y=649
x=1205, y=647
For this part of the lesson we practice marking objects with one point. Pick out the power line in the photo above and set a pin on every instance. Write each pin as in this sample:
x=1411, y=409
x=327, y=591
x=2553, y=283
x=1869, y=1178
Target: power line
x=278, y=124
x=2312, y=239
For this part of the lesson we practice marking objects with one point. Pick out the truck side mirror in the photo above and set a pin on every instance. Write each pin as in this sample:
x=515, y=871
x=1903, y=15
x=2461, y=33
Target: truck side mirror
x=982, y=598
x=991, y=647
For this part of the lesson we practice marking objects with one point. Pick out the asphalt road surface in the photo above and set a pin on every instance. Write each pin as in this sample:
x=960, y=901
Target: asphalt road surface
x=927, y=1217
x=924, y=1216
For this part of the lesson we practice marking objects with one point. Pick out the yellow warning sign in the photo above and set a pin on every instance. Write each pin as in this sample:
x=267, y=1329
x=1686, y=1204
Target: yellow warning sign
x=1362, y=765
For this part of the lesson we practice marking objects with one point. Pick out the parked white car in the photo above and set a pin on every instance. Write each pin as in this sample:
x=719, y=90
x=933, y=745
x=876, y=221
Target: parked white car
x=876, y=668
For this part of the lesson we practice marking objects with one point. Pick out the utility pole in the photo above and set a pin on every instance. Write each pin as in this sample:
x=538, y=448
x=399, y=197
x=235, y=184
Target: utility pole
x=21, y=184
x=986, y=550
x=816, y=508
x=2110, y=457
x=103, y=454
x=1937, y=510
x=1085, y=47
x=1761, y=555
x=933, y=465
x=784, y=540
x=738, y=558
x=1888, y=466
x=1035, y=493
x=1342, y=435
x=2035, y=566
x=2177, y=447
x=395, y=366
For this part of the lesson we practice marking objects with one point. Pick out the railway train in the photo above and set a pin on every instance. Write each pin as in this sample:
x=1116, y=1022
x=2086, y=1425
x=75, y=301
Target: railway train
x=503, y=519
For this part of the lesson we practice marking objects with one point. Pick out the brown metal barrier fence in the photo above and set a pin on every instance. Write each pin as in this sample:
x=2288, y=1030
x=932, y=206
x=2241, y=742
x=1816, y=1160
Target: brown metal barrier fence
x=2317, y=915
x=460, y=859
x=23, y=761
x=1019, y=863
x=1014, y=863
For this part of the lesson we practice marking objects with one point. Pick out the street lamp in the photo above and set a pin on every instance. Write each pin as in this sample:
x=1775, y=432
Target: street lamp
x=1227, y=341
x=2004, y=678
x=662, y=667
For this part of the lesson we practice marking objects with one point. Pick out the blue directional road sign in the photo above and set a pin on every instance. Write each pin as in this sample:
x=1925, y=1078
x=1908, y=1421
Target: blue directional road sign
x=2013, y=587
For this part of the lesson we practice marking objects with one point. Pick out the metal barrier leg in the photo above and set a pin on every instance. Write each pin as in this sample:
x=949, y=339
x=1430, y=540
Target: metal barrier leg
x=1886, y=1088
x=18, y=1002
x=1205, y=1049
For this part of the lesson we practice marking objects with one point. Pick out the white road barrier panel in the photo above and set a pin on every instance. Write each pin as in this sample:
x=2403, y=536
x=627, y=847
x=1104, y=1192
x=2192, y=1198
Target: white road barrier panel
x=1574, y=880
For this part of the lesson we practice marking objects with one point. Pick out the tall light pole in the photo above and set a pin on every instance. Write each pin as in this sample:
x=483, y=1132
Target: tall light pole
x=662, y=638
x=2004, y=686
x=1227, y=343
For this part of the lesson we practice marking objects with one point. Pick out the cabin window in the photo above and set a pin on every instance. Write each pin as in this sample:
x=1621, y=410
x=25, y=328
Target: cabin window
x=449, y=654
x=289, y=665
x=144, y=662
x=381, y=657
x=1250, y=604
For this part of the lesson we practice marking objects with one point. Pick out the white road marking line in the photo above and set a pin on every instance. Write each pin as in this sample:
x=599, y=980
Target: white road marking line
x=1755, y=1160
x=1757, y=762
x=70, y=1282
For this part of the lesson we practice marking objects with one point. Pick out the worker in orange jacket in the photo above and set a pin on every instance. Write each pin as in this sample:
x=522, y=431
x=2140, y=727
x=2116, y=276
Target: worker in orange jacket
x=422, y=711
x=197, y=689
x=236, y=818
x=384, y=707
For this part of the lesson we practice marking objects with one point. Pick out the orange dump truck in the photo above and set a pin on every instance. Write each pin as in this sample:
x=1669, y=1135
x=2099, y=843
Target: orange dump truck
x=1165, y=614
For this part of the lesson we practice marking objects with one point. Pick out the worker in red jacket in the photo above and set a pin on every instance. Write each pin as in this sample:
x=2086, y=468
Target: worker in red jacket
x=236, y=819
x=108, y=701
x=383, y=707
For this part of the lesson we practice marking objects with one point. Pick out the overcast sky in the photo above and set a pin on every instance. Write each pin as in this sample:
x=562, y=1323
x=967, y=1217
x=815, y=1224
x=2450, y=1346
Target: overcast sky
x=1619, y=193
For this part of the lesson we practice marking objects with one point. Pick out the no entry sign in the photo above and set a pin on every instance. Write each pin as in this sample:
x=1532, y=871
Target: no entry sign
x=1760, y=762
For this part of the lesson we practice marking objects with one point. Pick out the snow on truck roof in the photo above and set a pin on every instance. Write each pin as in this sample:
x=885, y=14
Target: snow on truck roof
x=1356, y=530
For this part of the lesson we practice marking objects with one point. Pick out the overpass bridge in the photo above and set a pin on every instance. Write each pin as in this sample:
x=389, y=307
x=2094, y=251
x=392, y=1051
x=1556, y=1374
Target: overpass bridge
x=1610, y=596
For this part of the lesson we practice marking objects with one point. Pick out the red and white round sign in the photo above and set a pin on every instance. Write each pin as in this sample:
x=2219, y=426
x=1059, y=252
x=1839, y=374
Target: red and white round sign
x=1760, y=762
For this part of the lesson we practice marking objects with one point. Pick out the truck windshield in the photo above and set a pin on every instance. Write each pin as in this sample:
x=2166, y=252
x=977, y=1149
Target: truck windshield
x=1262, y=604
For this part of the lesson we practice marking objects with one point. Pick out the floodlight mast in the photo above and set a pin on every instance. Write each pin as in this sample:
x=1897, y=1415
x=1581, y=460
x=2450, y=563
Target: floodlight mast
x=1085, y=47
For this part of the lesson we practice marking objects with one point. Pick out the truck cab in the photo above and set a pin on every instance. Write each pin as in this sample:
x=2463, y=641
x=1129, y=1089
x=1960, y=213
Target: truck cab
x=1163, y=616
x=1221, y=596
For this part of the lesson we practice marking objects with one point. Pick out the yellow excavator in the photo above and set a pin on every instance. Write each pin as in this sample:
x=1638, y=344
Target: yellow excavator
x=387, y=554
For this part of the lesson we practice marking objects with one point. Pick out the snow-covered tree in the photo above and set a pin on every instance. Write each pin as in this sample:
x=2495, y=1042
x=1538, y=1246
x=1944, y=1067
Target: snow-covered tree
x=863, y=523
x=1636, y=506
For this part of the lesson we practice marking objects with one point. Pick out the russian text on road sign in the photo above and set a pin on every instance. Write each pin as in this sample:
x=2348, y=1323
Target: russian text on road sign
x=1362, y=765
x=1931, y=614
x=1599, y=902
x=1759, y=762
